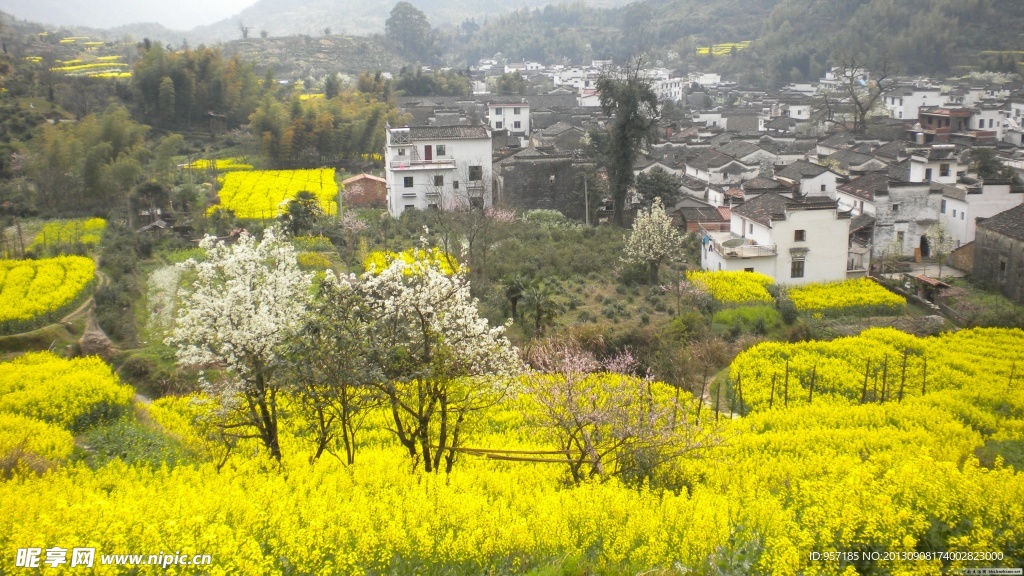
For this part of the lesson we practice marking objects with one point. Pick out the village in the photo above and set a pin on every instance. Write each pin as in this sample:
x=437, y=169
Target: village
x=774, y=182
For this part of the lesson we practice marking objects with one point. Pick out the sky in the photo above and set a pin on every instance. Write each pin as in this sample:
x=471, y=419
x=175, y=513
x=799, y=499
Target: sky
x=175, y=14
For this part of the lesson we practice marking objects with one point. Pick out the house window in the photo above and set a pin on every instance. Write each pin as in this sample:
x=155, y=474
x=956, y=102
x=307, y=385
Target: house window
x=476, y=173
x=899, y=239
x=497, y=111
x=895, y=208
x=824, y=188
x=748, y=269
x=981, y=123
x=497, y=125
x=751, y=228
x=440, y=149
x=961, y=215
x=431, y=206
x=799, y=235
x=516, y=124
x=408, y=181
x=990, y=122
x=942, y=207
x=455, y=184
x=796, y=269
x=928, y=174
x=410, y=207
x=401, y=151
x=515, y=110
x=439, y=180
x=944, y=169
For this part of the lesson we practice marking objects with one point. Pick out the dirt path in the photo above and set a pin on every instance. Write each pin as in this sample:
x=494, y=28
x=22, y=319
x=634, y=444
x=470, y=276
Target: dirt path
x=104, y=280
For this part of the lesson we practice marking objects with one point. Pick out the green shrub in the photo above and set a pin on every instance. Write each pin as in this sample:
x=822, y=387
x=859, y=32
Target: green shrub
x=752, y=319
x=787, y=309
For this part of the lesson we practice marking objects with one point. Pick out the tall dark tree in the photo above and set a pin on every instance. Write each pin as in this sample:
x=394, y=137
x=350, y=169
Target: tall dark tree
x=628, y=98
x=659, y=183
x=988, y=166
x=331, y=86
x=409, y=29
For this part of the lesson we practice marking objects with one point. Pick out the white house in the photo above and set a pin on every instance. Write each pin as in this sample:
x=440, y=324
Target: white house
x=1013, y=131
x=988, y=117
x=812, y=179
x=906, y=102
x=437, y=167
x=858, y=195
x=939, y=163
x=962, y=206
x=511, y=115
x=718, y=168
x=793, y=241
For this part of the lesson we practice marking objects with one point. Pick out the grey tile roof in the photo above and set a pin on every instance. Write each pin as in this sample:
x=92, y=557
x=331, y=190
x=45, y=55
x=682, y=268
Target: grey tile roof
x=801, y=169
x=448, y=133
x=1009, y=223
x=763, y=208
x=867, y=185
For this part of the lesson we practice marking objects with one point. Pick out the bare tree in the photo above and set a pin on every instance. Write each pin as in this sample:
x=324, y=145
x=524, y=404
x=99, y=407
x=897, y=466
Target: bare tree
x=863, y=85
x=464, y=226
x=610, y=422
x=940, y=243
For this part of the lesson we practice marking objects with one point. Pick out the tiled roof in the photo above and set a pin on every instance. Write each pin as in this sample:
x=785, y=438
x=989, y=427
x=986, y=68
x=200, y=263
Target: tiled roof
x=892, y=150
x=448, y=133
x=838, y=141
x=801, y=169
x=711, y=159
x=1009, y=223
x=763, y=208
x=738, y=149
x=847, y=158
x=861, y=222
x=762, y=183
x=867, y=185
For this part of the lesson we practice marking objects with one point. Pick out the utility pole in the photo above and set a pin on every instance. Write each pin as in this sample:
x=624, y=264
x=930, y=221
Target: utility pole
x=586, y=199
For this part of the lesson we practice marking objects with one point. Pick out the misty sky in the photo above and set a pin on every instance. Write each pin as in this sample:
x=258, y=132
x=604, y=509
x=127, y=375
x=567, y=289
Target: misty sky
x=174, y=14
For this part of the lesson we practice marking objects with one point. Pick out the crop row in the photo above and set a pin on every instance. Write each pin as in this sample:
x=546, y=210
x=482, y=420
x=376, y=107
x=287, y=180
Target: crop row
x=265, y=194
x=34, y=292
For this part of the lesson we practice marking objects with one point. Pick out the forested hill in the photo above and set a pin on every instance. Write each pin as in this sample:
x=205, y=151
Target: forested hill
x=792, y=40
x=354, y=17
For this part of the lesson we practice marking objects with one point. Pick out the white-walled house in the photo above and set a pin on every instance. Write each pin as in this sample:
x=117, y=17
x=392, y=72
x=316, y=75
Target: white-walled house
x=793, y=241
x=812, y=179
x=511, y=115
x=437, y=166
x=858, y=195
x=906, y=102
x=939, y=163
x=962, y=206
x=988, y=117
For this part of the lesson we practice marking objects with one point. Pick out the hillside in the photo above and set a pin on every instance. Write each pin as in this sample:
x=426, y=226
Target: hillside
x=307, y=56
x=792, y=40
x=311, y=17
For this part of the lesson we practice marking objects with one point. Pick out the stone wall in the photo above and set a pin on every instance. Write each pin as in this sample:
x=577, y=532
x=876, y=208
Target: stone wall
x=999, y=263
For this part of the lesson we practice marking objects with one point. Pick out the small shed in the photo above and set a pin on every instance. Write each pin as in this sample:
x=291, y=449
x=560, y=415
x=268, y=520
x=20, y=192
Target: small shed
x=925, y=287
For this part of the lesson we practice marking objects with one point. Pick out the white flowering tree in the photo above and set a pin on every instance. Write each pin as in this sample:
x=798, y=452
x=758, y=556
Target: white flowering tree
x=652, y=240
x=249, y=298
x=439, y=361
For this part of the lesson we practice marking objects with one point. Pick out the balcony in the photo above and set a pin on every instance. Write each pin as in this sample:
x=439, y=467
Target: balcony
x=729, y=246
x=404, y=163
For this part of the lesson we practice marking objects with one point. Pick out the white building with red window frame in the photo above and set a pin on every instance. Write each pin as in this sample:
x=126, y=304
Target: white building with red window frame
x=437, y=167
